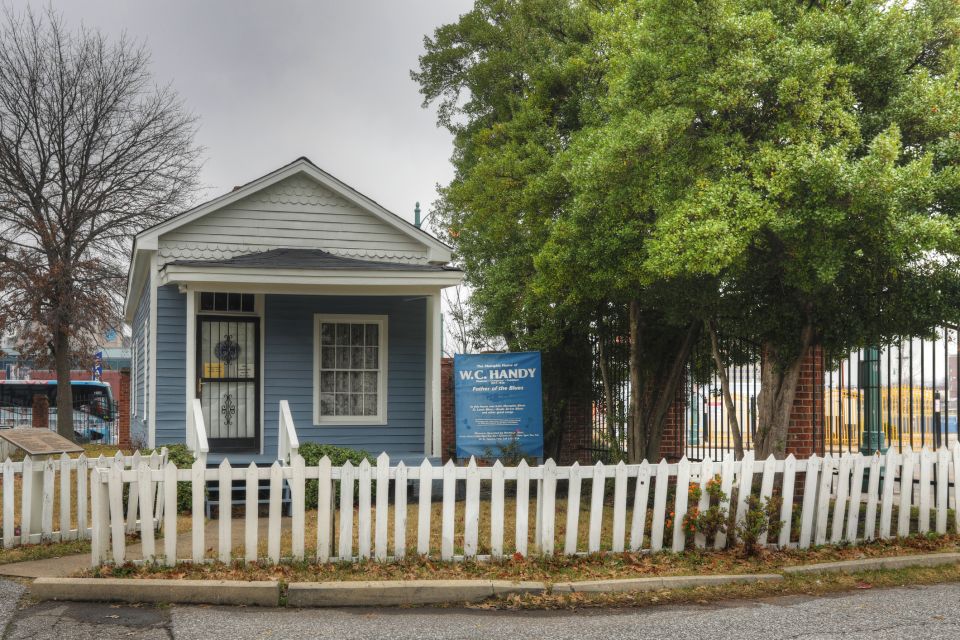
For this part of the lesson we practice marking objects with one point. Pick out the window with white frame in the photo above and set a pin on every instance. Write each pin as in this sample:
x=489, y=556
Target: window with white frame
x=350, y=358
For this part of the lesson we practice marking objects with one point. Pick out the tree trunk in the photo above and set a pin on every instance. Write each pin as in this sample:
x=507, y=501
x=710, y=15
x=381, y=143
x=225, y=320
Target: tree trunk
x=653, y=388
x=63, y=364
x=608, y=405
x=778, y=388
x=636, y=443
x=732, y=419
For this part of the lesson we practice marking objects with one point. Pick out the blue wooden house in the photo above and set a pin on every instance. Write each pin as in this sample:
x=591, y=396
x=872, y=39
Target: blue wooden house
x=291, y=287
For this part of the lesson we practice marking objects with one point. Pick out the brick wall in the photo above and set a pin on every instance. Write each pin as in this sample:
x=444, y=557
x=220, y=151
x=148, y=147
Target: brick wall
x=122, y=389
x=673, y=443
x=807, y=409
x=448, y=438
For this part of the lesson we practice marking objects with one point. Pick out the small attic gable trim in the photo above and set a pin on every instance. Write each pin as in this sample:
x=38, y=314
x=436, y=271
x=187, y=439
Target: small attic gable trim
x=437, y=251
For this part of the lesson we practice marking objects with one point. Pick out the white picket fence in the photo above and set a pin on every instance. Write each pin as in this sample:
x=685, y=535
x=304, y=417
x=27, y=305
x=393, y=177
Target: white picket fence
x=30, y=488
x=832, y=494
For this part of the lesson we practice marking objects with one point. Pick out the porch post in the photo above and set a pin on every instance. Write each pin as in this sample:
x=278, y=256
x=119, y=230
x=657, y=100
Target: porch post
x=191, y=362
x=431, y=395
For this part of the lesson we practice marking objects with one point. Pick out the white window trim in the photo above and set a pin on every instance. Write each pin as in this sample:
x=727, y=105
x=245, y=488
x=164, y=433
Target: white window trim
x=334, y=421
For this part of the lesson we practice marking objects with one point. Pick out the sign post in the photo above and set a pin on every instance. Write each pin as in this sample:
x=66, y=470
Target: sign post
x=499, y=404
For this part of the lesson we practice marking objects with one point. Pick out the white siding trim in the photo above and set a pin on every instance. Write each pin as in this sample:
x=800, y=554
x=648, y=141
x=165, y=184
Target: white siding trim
x=434, y=350
x=191, y=355
x=152, y=358
x=382, y=378
x=207, y=274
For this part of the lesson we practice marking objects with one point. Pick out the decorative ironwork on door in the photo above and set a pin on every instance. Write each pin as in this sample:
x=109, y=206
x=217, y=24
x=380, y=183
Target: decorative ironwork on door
x=228, y=380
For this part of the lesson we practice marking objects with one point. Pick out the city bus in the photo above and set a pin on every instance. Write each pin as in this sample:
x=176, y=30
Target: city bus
x=94, y=410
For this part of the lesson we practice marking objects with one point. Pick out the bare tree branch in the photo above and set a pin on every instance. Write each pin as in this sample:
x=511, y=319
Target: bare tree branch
x=91, y=152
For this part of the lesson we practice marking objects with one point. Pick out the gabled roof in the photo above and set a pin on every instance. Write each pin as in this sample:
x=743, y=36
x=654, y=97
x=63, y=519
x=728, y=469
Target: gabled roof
x=308, y=259
x=438, y=252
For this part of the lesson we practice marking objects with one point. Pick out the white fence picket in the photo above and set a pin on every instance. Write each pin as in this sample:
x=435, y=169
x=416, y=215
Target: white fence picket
x=400, y=512
x=906, y=492
x=873, y=486
x=641, y=496
x=448, y=509
x=169, y=514
x=766, y=488
x=297, y=506
x=840, y=504
x=496, y=510
x=548, y=506
x=363, y=509
x=823, y=498
x=345, y=538
x=926, y=477
x=523, y=507
x=808, y=509
x=82, y=501
x=856, y=491
x=786, y=493
x=146, y=488
x=573, y=511
x=890, y=464
x=659, y=507
x=381, y=516
x=706, y=475
x=65, y=501
x=471, y=511
x=596, y=508
x=943, y=464
x=273, y=512
x=727, y=470
x=680, y=504
x=251, y=514
x=423, y=508
x=225, y=511
x=8, y=504
x=619, y=506
x=117, y=520
x=324, y=509
x=26, y=500
x=197, y=490
x=744, y=485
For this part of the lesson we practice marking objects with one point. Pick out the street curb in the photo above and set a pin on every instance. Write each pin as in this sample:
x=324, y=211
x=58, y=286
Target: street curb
x=659, y=583
x=233, y=592
x=873, y=564
x=402, y=592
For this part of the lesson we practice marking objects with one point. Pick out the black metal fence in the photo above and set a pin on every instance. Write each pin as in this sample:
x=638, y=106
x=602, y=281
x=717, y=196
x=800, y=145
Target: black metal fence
x=897, y=395
x=97, y=424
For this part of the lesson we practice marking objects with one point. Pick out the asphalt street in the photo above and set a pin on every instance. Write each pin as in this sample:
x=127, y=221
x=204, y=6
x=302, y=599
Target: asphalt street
x=909, y=612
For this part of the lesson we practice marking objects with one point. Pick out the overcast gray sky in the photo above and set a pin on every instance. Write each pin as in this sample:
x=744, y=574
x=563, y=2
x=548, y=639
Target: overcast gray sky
x=275, y=80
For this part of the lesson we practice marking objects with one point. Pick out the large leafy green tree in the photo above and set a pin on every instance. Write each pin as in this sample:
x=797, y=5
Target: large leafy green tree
x=510, y=79
x=810, y=156
x=551, y=253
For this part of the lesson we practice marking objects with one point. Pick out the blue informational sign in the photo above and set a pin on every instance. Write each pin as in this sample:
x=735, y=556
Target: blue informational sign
x=499, y=403
x=98, y=365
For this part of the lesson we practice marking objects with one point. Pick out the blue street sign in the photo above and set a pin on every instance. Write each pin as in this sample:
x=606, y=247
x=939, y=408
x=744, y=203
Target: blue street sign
x=98, y=365
x=498, y=403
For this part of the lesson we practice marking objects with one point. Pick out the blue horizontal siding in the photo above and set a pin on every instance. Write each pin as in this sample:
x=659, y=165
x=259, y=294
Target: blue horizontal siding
x=139, y=427
x=171, y=365
x=288, y=371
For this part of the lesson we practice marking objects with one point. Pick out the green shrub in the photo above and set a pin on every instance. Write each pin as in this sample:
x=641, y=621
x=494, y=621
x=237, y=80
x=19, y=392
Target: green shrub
x=183, y=458
x=313, y=452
